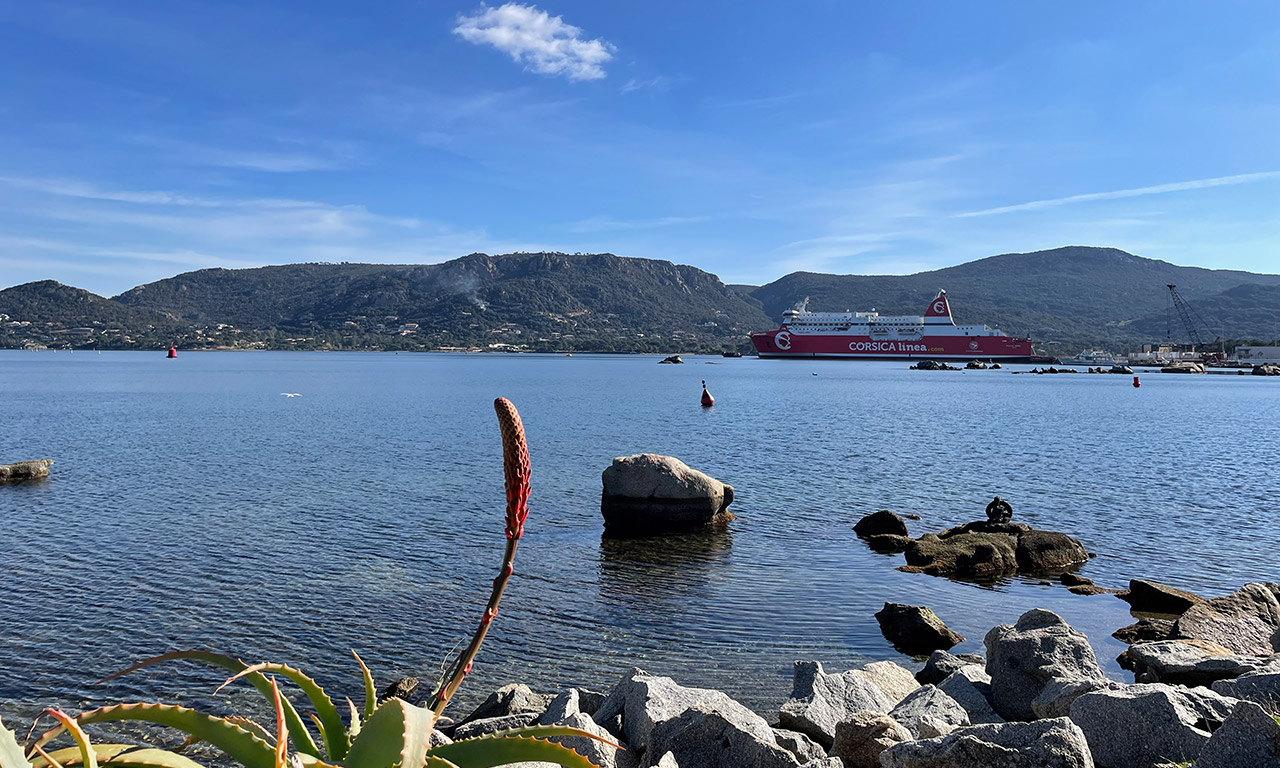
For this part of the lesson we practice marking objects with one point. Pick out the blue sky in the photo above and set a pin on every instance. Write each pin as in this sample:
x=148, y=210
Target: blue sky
x=143, y=139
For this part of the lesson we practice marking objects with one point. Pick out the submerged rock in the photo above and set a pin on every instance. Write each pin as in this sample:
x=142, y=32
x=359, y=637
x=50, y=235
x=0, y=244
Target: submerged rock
x=1152, y=597
x=914, y=629
x=648, y=494
x=24, y=470
x=882, y=522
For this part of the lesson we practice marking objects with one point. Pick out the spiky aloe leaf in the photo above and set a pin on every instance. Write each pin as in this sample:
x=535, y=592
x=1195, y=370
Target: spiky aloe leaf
x=11, y=755
x=282, y=739
x=123, y=756
x=397, y=736
x=87, y=756
x=242, y=746
x=302, y=740
x=370, y=692
x=256, y=729
x=486, y=752
x=544, y=732
x=335, y=733
x=353, y=728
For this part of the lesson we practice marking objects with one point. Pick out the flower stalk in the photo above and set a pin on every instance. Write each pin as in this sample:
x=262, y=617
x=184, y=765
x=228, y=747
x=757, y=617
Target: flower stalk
x=516, y=471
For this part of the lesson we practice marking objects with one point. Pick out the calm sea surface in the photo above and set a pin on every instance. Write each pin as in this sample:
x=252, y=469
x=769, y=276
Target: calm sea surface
x=193, y=506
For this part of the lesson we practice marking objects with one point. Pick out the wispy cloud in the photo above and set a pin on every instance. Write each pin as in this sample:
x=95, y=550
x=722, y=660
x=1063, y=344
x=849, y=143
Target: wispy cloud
x=660, y=84
x=543, y=43
x=605, y=224
x=1158, y=189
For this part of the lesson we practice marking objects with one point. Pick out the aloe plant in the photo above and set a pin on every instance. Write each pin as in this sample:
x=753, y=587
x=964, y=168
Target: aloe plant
x=388, y=734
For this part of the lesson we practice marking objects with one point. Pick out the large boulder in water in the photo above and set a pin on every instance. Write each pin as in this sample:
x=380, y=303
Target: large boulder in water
x=915, y=630
x=24, y=470
x=648, y=494
x=879, y=523
x=1153, y=597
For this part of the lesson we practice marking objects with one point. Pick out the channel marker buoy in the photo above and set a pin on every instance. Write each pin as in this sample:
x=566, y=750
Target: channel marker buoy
x=173, y=352
x=1136, y=384
x=707, y=399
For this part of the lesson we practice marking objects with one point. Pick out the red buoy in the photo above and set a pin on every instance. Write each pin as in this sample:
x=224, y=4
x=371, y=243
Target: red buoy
x=173, y=351
x=707, y=399
x=1135, y=382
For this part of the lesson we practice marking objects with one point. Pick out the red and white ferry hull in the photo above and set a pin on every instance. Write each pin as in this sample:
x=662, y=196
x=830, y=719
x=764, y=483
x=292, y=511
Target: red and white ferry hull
x=783, y=343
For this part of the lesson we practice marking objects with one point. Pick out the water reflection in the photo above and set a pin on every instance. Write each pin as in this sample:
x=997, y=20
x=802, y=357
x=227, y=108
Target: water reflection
x=661, y=575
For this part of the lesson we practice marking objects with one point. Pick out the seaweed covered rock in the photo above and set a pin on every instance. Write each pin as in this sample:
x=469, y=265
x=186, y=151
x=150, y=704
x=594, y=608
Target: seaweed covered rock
x=24, y=470
x=915, y=630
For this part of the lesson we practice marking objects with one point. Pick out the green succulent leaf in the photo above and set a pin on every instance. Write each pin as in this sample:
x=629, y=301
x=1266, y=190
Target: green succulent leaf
x=396, y=736
x=11, y=755
x=353, y=728
x=439, y=762
x=486, y=752
x=122, y=756
x=544, y=732
x=239, y=744
x=87, y=756
x=302, y=740
x=370, y=692
x=335, y=733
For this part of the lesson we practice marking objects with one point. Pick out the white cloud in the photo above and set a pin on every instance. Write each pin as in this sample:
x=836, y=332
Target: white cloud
x=660, y=84
x=1181, y=186
x=543, y=43
x=605, y=224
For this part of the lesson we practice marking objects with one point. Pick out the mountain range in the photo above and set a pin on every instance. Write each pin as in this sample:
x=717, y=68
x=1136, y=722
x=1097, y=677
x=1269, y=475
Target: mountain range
x=1066, y=299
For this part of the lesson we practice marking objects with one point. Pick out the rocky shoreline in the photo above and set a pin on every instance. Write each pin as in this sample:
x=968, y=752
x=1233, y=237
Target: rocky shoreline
x=1037, y=699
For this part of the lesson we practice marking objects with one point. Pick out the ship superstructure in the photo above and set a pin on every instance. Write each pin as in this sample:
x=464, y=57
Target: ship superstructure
x=933, y=335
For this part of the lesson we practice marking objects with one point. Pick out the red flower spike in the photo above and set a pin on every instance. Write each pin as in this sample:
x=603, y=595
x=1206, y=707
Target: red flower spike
x=515, y=465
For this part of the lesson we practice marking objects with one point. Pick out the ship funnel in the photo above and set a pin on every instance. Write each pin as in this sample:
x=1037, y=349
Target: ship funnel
x=939, y=311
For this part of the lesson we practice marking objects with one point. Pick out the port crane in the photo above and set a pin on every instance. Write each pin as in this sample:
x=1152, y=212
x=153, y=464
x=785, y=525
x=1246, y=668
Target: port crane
x=1185, y=311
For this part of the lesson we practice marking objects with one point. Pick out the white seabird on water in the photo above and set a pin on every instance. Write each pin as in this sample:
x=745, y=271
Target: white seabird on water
x=292, y=394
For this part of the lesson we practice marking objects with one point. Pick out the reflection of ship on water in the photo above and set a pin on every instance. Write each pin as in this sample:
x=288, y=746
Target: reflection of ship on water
x=653, y=573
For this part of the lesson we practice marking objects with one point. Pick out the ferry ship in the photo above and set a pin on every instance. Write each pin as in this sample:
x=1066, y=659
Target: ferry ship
x=872, y=336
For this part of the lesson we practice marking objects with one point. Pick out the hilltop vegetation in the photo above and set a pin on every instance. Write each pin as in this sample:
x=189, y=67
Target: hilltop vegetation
x=1066, y=299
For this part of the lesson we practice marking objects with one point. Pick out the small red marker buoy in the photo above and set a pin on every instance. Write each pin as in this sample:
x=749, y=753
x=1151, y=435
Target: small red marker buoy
x=1135, y=382
x=707, y=399
x=173, y=351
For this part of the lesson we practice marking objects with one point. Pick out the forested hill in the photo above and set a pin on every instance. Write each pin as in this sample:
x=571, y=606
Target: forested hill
x=539, y=300
x=1066, y=299
x=1076, y=295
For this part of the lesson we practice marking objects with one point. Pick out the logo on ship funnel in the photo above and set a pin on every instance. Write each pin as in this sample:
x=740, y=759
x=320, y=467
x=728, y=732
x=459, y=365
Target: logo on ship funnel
x=783, y=340
x=938, y=306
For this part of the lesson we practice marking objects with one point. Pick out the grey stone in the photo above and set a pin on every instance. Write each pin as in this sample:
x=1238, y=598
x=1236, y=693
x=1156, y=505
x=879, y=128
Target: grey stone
x=513, y=699
x=1145, y=631
x=826, y=762
x=643, y=701
x=1262, y=687
x=1246, y=621
x=914, y=629
x=438, y=739
x=928, y=713
x=820, y=700
x=705, y=738
x=861, y=737
x=941, y=664
x=1152, y=597
x=1179, y=663
x=564, y=706
x=970, y=686
x=600, y=754
x=895, y=680
x=24, y=470
x=882, y=522
x=804, y=748
x=1142, y=725
x=650, y=494
x=482, y=726
x=1048, y=552
x=1056, y=698
x=1055, y=743
x=1022, y=659
x=1250, y=737
x=667, y=761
